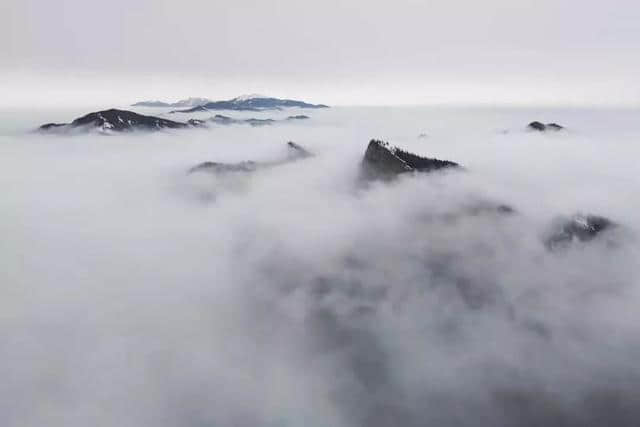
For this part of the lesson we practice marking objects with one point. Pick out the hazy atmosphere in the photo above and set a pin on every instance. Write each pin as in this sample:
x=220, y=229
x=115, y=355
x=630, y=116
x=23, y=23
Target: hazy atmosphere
x=335, y=214
x=357, y=52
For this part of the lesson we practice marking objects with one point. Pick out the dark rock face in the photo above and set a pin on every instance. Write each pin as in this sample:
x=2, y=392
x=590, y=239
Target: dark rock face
x=260, y=122
x=582, y=228
x=382, y=161
x=220, y=119
x=196, y=109
x=223, y=120
x=226, y=120
x=295, y=152
x=50, y=126
x=114, y=120
x=541, y=127
x=298, y=117
x=537, y=126
x=215, y=167
x=252, y=104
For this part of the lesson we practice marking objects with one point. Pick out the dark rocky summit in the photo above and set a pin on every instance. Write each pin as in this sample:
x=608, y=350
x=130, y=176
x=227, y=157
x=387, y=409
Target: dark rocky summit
x=114, y=120
x=52, y=126
x=294, y=152
x=223, y=120
x=383, y=161
x=554, y=126
x=216, y=167
x=582, y=228
x=220, y=119
x=260, y=122
x=226, y=120
x=541, y=127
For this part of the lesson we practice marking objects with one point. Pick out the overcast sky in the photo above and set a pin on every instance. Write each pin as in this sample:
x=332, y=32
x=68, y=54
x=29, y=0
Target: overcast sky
x=338, y=52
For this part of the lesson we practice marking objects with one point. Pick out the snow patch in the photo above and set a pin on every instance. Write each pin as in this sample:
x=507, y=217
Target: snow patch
x=243, y=98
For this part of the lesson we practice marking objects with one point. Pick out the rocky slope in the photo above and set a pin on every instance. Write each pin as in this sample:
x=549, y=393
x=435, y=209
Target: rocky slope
x=114, y=120
x=383, y=161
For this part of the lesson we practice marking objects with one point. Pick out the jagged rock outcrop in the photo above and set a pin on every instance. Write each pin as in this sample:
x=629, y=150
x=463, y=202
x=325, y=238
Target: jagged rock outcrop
x=223, y=120
x=578, y=228
x=294, y=152
x=383, y=161
x=115, y=120
x=220, y=119
x=541, y=127
x=259, y=122
x=52, y=126
x=215, y=167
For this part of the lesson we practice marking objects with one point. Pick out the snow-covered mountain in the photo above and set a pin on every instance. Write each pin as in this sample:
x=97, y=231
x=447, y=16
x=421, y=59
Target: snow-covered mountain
x=191, y=102
x=252, y=103
x=183, y=103
x=242, y=98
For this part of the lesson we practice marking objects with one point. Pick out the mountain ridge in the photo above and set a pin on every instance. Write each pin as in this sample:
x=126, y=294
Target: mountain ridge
x=183, y=103
x=240, y=103
x=115, y=120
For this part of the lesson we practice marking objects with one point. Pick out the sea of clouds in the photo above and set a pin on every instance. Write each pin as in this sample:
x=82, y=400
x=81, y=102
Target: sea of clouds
x=134, y=294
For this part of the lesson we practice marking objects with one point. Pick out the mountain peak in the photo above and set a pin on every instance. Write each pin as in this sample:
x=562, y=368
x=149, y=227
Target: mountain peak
x=242, y=98
x=251, y=103
x=114, y=120
x=183, y=103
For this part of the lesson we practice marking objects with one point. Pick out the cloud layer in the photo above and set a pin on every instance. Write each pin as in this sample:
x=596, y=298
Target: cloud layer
x=294, y=296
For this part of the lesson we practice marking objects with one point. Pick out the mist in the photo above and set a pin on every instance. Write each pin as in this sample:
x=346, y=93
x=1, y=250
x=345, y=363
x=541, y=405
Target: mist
x=81, y=52
x=135, y=294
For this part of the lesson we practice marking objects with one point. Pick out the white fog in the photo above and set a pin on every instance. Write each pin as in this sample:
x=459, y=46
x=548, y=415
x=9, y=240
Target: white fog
x=136, y=294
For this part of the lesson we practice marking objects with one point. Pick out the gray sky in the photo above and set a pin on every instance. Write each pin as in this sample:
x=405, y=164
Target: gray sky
x=338, y=52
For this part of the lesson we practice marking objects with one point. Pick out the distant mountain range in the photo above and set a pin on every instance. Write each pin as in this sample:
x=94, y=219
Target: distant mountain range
x=183, y=103
x=240, y=103
x=113, y=120
x=225, y=120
